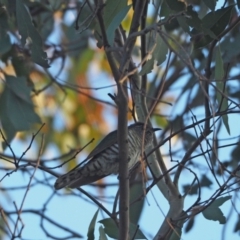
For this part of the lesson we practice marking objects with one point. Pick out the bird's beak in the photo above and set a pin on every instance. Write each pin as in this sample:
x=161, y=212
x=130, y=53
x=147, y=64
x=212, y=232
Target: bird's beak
x=156, y=129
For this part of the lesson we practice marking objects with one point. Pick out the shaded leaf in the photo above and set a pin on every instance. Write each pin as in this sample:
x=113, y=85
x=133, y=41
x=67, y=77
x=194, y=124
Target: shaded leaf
x=213, y=24
x=111, y=9
x=191, y=190
x=188, y=139
x=205, y=181
x=193, y=20
x=136, y=190
x=30, y=33
x=238, y=4
x=236, y=153
x=147, y=67
x=116, y=22
x=44, y=22
x=190, y=224
x=176, y=5
x=217, y=18
x=165, y=11
x=220, y=201
x=81, y=43
x=161, y=50
x=213, y=212
x=219, y=68
x=102, y=235
x=16, y=107
x=183, y=24
x=219, y=76
x=5, y=43
x=230, y=47
x=210, y=3
x=112, y=230
x=92, y=226
x=237, y=226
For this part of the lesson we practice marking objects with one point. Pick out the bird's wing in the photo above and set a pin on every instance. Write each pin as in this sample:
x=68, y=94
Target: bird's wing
x=74, y=178
x=108, y=141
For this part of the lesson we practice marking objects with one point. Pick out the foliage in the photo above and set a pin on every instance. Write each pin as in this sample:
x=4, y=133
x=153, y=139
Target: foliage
x=66, y=68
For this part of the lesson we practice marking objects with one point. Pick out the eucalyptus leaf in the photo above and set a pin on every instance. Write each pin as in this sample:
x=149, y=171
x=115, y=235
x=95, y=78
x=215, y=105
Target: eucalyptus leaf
x=219, y=76
x=5, y=43
x=16, y=107
x=116, y=22
x=176, y=5
x=210, y=3
x=213, y=212
x=30, y=35
x=111, y=9
x=238, y=4
x=147, y=67
x=213, y=24
x=112, y=230
x=237, y=225
x=91, y=227
x=161, y=50
x=102, y=235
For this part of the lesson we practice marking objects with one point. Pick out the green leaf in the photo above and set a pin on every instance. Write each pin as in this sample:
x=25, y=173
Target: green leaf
x=116, y=22
x=205, y=181
x=237, y=226
x=165, y=11
x=136, y=190
x=213, y=212
x=193, y=20
x=102, y=235
x=112, y=8
x=220, y=201
x=219, y=68
x=219, y=75
x=147, y=67
x=189, y=139
x=112, y=230
x=217, y=18
x=16, y=107
x=176, y=5
x=238, y=4
x=7, y=125
x=210, y=3
x=182, y=22
x=5, y=43
x=30, y=33
x=213, y=25
x=225, y=119
x=92, y=226
x=161, y=50
x=230, y=47
x=190, y=224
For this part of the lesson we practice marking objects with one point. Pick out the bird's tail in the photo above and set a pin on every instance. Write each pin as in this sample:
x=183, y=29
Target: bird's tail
x=75, y=179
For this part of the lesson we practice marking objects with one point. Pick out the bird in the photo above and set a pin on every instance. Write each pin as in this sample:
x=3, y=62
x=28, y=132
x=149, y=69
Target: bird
x=104, y=159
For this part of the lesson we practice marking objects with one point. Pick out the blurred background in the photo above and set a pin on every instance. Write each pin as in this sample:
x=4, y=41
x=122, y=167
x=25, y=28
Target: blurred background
x=54, y=99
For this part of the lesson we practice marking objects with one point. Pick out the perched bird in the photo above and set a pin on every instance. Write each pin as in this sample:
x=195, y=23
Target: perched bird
x=104, y=159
